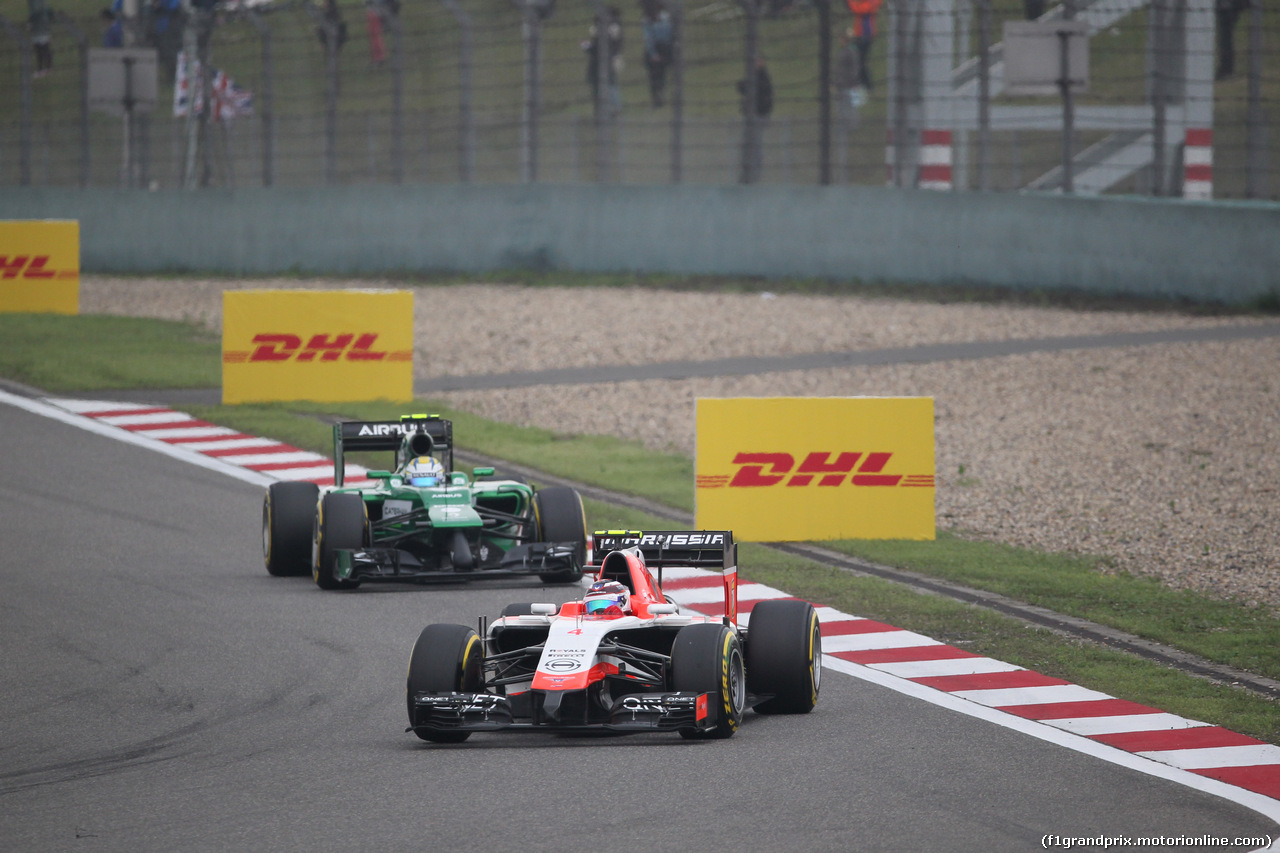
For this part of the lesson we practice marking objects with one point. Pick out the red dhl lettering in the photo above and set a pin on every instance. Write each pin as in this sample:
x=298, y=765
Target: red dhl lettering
x=817, y=468
x=284, y=347
x=30, y=267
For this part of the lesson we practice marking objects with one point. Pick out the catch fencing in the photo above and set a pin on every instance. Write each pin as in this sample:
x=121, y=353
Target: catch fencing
x=507, y=91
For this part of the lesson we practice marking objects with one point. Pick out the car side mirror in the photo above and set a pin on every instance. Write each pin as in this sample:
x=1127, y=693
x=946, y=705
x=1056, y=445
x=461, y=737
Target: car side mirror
x=543, y=609
x=482, y=472
x=378, y=475
x=663, y=609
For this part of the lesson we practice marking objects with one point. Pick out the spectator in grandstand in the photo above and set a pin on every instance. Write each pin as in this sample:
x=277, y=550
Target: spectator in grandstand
x=375, y=11
x=864, y=33
x=764, y=90
x=167, y=22
x=41, y=20
x=753, y=143
x=112, y=30
x=613, y=60
x=332, y=22
x=847, y=80
x=1228, y=13
x=659, y=46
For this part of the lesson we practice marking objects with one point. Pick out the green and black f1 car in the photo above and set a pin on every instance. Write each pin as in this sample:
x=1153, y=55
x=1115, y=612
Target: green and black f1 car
x=421, y=521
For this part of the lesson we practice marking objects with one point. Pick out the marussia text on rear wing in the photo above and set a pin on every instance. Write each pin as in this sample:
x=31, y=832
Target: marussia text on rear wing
x=706, y=549
x=713, y=550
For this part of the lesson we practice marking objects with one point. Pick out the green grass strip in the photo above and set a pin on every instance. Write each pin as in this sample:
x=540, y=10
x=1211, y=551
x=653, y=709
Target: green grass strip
x=103, y=353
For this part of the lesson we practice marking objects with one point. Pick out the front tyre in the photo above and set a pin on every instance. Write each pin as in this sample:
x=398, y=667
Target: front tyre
x=559, y=517
x=288, y=512
x=706, y=658
x=784, y=656
x=445, y=659
x=340, y=523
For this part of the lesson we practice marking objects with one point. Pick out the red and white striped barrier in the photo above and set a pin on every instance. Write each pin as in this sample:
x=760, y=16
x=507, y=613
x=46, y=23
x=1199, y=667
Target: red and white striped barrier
x=936, y=160
x=1197, y=164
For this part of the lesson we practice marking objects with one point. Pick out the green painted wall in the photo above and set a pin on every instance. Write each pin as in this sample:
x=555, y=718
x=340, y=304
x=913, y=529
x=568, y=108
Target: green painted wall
x=1221, y=252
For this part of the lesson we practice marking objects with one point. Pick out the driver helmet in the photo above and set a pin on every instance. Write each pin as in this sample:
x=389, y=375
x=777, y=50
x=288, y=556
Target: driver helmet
x=607, y=598
x=423, y=471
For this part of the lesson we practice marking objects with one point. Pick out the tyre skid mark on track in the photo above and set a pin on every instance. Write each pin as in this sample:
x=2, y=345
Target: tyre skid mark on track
x=1240, y=768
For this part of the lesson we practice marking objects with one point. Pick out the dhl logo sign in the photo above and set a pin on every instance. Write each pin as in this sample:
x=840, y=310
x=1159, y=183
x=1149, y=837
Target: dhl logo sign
x=351, y=346
x=322, y=345
x=785, y=469
x=40, y=266
x=31, y=266
x=817, y=468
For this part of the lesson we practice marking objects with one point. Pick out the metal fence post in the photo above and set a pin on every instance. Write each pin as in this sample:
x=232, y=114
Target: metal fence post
x=824, y=92
x=24, y=100
x=984, y=95
x=82, y=45
x=750, y=121
x=392, y=19
x=677, y=91
x=330, y=103
x=603, y=104
x=1160, y=42
x=267, y=101
x=901, y=77
x=532, y=13
x=466, y=118
x=1068, y=100
x=330, y=30
x=1256, y=128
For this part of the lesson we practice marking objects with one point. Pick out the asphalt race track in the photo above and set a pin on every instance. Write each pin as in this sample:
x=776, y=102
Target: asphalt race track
x=162, y=692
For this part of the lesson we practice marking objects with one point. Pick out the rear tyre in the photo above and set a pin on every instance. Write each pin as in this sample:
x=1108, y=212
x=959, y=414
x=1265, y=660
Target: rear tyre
x=784, y=656
x=340, y=523
x=445, y=659
x=288, y=513
x=558, y=514
x=706, y=658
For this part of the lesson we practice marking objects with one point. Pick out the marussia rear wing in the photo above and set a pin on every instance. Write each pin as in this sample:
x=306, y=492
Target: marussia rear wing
x=705, y=549
x=436, y=439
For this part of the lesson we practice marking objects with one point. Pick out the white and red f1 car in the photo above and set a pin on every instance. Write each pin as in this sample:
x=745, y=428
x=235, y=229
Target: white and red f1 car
x=645, y=666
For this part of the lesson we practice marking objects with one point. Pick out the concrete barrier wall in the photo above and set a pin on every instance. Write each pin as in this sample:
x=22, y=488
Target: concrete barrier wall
x=1212, y=252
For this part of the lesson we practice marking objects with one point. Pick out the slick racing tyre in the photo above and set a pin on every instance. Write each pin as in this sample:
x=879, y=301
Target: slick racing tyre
x=706, y=658
x=340, y=522
x=784, y=656
x=558, y=514
x=446, y=659
x=288, y=511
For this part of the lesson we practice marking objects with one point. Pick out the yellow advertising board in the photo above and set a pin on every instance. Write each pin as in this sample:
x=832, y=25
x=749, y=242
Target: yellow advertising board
x=323, y=345
x=786, y=469
x=40, y=266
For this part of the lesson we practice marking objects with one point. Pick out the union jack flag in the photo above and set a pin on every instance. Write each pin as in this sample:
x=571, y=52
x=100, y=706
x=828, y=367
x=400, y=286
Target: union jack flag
x=229, y=98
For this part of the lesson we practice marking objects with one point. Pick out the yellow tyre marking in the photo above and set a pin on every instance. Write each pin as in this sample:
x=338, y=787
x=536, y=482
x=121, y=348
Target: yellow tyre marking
x=813, y=664
x=726, y=692
x=466, y=657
